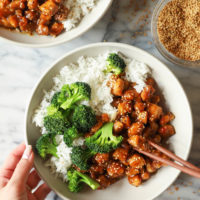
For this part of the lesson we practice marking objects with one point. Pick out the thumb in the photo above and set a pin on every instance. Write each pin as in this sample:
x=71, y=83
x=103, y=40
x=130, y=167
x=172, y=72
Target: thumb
x=23, y=168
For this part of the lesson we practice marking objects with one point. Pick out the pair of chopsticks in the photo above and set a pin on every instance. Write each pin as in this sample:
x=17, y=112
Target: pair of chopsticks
x=186, y=167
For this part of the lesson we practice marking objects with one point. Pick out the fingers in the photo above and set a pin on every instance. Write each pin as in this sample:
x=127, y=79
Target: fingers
x=33, y=179
x=23, y=168
x=10, y=164
x=42, y=192
x=30, y=196
x=3, y=182
x=5, y=175
x=13, y=158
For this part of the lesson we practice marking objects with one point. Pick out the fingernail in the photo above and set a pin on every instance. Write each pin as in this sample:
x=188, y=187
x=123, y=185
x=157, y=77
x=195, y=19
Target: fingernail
x=27, y=152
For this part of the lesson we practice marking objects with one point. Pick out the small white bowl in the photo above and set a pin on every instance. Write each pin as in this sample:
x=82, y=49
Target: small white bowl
x=176, y=101
x=45, y=41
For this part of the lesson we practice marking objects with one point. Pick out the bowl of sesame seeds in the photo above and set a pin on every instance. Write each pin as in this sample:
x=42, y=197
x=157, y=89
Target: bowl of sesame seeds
x=176, y=31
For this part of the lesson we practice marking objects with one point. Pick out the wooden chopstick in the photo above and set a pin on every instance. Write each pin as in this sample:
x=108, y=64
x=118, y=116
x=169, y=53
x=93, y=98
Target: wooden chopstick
x=188, y=169
x=173, y=156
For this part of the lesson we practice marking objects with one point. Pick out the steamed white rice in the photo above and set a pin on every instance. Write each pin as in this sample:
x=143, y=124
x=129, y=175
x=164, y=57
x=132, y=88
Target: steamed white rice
x=137, y=72
x=60, y=165
x=90, y=70
x=78, y=9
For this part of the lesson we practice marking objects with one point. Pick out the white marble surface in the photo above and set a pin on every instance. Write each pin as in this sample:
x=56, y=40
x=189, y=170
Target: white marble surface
x=21, y=67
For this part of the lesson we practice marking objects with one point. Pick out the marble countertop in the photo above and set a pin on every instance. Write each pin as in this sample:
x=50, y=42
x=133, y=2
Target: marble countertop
x=127, y=21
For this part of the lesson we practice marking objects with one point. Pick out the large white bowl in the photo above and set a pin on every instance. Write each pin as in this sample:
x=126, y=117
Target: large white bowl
x=45, y=41
x=176, y=101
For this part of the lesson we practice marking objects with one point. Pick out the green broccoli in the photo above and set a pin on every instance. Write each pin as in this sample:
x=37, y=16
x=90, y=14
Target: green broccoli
x=54, y=100
x=80, y=157
x=76, y=180
x=115, y=64
x=55, y=121
x=70, y=135
x=83, y=118
x=52, y=109
x=63, y=94
x=46, y=145
x=71, y=94
x=103, y=141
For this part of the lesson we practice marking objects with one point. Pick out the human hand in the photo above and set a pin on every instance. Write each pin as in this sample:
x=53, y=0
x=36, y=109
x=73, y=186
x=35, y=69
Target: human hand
x=16, y=181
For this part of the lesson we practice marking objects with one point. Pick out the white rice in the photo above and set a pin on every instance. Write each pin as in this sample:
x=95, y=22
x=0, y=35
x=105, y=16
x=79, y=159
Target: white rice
x=90, y=70
x=137, y=72
x=60, y=165
x=78, y=9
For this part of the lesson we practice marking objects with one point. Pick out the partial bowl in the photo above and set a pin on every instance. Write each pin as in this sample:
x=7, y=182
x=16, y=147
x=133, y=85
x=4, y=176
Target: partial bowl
x=176, y=101
x=163, y=51
x=38, y=41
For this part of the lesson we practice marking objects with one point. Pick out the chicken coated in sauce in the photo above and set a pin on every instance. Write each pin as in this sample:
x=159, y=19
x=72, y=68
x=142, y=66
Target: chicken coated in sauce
x=29, y=16
x=140, y=117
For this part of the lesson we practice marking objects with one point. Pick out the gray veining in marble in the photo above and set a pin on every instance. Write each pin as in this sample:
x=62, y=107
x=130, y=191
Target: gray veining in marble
x=21, y=67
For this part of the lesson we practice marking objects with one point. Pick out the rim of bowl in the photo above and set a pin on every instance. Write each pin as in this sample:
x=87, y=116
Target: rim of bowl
x=62, y=41
x=160, y=47
x=107, y=44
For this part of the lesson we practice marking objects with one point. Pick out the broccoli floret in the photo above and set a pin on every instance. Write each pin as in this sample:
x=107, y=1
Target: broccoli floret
x=103, y=141
x=70, y=135
x=55, y=121
x=73, y=179
x=80, y=157
x=54, y=100
x=115, y=64
x=76, y=180
x=65, y=91
x=46, y=145
x=52, y=109
x=71, y=94
x=83, y=118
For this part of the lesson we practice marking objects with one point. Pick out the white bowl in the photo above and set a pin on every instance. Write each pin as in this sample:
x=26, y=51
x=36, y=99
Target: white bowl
x=176, y=101
x=45, y=41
